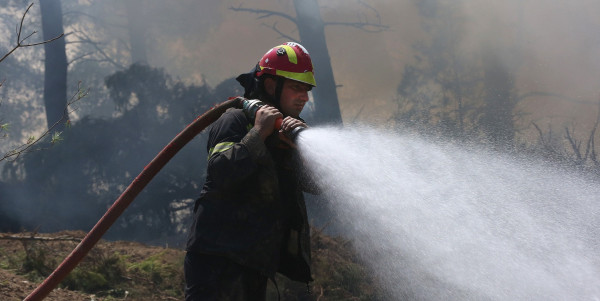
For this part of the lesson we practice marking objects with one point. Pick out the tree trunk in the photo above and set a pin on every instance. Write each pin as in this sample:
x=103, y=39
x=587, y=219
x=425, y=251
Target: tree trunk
x=312, y=36
x=55, y=74
x=137, y=31
x=498, y=115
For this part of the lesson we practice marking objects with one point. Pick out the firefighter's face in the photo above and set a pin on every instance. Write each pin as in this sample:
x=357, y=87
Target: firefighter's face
x=294, y=96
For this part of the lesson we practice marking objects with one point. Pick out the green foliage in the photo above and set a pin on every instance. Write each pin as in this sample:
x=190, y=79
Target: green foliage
x=338, y=274
x=56, y=137
x=99, y=273
x=4, y=263
x=88, y=281
x=36, y=264
x=151, y=268
x=164, y=275
x=133, y=271
x=11, y=260
x=349, y=276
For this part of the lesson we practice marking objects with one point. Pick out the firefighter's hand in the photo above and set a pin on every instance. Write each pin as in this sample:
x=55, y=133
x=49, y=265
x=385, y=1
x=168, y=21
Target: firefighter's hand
x=265, y=120
x=288, y=124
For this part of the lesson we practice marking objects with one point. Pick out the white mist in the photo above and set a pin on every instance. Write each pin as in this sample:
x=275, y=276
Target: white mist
x=436, y=221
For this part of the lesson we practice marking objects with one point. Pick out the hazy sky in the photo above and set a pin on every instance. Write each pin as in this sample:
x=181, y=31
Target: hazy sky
x=554, y=47
x=367, y=65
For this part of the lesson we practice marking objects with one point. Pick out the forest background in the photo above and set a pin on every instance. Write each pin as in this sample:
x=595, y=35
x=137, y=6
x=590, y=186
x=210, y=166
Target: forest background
x=516, y=76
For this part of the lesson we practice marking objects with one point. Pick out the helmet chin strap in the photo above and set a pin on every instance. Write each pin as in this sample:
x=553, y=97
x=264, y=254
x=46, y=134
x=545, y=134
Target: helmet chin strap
x=278, y=91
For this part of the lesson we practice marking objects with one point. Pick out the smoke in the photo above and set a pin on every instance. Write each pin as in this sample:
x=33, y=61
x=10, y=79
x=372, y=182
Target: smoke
x=550, y=47
x=544, y=35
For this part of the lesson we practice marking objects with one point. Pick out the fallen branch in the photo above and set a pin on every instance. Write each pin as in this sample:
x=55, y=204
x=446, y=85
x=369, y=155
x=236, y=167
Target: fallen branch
x=39, y=238
x=321, y=294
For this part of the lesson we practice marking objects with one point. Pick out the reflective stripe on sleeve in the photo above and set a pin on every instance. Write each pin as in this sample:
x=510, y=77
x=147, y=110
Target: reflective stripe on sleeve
x=220, y=147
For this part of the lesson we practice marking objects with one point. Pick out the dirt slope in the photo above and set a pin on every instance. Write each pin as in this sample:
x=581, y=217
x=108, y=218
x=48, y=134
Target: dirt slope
x=15, y=288
x=124, y=270
x=24, y=264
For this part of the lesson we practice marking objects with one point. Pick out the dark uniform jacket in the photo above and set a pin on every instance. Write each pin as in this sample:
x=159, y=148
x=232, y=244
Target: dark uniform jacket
x=251, y=208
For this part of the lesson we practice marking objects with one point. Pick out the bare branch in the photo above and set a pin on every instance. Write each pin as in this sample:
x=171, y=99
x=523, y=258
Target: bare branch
x=79, y=57
x=363, y=20
x=83, y=38
x=21, y=24
x=358, y=114
x=591, y=148
x=43, y=42
x=281, y=34
x=369, y=7
x=20, y=41
x=558, y=97
x=98, y=22
x=574, y=144
x=264, y=13
x=28, y=146
x=365, y=26
x=590, y=142
x=539, y=132
x=9, y=53
x=321, y=294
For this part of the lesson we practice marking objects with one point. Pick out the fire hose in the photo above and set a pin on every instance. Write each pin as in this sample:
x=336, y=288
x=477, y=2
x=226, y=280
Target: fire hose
x=126, y=198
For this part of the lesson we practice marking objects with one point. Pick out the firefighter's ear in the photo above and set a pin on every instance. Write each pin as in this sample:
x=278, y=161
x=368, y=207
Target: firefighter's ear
x=270, y=86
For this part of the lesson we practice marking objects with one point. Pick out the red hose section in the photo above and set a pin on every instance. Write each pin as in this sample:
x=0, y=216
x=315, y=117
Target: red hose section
x=278, y=123
x=128, y=196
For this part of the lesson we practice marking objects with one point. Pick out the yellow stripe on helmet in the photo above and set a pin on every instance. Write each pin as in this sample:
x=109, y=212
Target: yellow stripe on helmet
x=291, y=54
x=305, y=77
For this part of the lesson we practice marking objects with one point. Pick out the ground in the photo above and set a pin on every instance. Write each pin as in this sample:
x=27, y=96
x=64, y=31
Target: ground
x=123, y=270
x=15, y=288
x=138, y=265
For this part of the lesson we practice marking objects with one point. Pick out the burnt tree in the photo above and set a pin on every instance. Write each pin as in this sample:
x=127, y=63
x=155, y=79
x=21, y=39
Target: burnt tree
x=500, y=101
x=137, y=31
x=311, y=30
x=55, y=65
x=312, y=34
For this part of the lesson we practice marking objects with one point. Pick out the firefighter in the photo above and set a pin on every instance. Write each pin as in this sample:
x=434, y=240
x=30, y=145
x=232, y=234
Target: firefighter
x=250, y=220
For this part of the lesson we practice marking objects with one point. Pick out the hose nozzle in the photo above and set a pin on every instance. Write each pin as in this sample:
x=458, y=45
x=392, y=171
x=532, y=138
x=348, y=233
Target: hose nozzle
x=251, y=106
x=293, y=134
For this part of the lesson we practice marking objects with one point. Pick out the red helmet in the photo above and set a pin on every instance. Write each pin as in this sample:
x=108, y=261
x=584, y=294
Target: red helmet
x=289, y=60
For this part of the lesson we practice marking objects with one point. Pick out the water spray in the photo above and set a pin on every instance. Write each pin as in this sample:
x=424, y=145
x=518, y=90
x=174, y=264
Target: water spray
x=250, y=107
x=438, y=221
